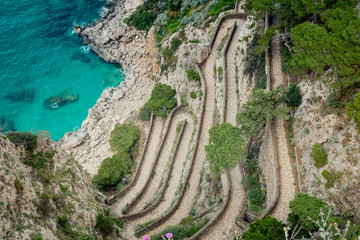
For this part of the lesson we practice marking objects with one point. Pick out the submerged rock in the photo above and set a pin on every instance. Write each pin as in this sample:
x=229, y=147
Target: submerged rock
x=21, y=96
x=60, y=100
x=6, y=124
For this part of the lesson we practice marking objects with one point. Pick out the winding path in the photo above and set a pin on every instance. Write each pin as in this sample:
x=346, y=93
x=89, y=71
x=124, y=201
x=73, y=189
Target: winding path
x=225, y=227
x=287, y=178
x=145, y=171
x=176, y=176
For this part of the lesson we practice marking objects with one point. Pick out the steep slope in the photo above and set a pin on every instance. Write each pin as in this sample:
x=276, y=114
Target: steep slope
x=37, y=188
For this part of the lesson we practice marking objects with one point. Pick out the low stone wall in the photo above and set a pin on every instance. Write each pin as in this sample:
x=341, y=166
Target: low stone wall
x=158, y=200
x=228, y=193
x=138, y=197
x=226, y=49
x=270, y=127
x=218, y=27
x=176, y=205
x=220, y=214
x=112, y=198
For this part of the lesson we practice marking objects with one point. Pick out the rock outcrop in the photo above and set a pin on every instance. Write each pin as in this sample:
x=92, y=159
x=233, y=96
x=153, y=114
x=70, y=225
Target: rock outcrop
x=37, y=188
x=136, y=52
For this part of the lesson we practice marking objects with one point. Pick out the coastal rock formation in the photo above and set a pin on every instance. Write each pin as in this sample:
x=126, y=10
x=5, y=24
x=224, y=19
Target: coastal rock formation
x=38, y=188
x=118, y=43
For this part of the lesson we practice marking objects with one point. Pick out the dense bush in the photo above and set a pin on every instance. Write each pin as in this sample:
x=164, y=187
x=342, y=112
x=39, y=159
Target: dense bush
x=260, y=107
x=142, y=18
x=104, y=224
x=175, y=43
x=304, y=207
x=124, y=138
x=162, y=100
x=113, y=169
x=226, y=148
x=27, y=139
x=319, y=155
x=353, y=110
x=192, y=94
x=18, y=186
x=331, y=177
x=187, y=227
x=265, y=229
x=256, y=197
x=64, y=224
x=145, y=113
x=293, y=95
x=193, y=75
x=255, y=63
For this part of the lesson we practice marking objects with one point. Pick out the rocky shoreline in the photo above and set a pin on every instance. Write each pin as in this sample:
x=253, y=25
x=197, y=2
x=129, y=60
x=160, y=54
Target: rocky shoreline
x=115, y=43
x=137, y=53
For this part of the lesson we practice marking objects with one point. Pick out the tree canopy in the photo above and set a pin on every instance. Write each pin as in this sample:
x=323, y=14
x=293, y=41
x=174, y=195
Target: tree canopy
x=162, y=100
x=124, y=138
x=260, y=107
x=113, y=169
x=226, y=148
x=265, y=229
x=353, y=110
x=303, y=207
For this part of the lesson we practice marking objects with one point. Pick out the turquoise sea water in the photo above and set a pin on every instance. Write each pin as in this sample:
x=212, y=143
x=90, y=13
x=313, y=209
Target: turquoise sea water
x=41, y=56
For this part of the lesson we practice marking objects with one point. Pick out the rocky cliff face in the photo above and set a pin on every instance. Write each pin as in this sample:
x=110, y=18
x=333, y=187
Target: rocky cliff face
x=137, y=53
x=37, y=188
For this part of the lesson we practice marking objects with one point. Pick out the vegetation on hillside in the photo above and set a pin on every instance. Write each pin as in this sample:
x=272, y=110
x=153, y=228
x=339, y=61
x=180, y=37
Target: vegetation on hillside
x=162, y=100
x=321, y=37
x=123, y=141
x=261, y=107
x=226, y=148
x=170, y=16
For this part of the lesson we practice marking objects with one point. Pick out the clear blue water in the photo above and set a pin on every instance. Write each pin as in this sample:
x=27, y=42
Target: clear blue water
x=41, y=56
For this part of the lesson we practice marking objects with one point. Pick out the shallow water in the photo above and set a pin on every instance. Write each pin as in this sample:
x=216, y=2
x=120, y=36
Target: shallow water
x=41, y=57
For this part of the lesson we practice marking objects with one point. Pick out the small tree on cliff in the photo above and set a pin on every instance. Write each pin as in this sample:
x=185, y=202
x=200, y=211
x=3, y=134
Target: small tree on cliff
x=162, y=100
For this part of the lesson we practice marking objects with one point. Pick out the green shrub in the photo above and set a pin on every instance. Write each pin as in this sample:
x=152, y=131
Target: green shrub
x=175, y=43
x=260, y=107
x=104, y=224
x=64, y=224
x=333, y=100
x=251, y=181
x=294, y=97
x=304, y=207
x=192, y=94
x=44, y=204
x=226, y=148
x=353, y=110
x=193, y=75
x=145, y=113
x=27, y=139
x=187, y=227
x=124, y=138
x=319, y=155
x=18, y=186
x=331, y=178
x=182, y=35
x=256, y=197
x=265, y=229
x=162, y=100
x=142, y=18
x=113, y=169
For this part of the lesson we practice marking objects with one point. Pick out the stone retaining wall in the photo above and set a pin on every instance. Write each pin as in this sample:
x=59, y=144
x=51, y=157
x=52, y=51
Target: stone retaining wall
x=217, y=30
x=162, y=219
x=112, y=198
x=143, y=190
x=158, y=200
x=227, y=199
